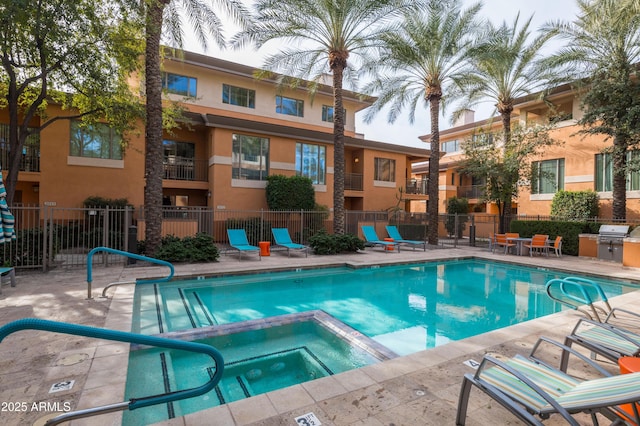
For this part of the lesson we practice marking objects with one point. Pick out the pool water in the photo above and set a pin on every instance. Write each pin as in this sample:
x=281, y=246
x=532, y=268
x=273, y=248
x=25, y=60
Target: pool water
x=256, y=361
x=405, y=308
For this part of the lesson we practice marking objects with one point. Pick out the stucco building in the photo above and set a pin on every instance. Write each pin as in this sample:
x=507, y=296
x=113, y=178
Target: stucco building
x=576, y=162
x=236, y=131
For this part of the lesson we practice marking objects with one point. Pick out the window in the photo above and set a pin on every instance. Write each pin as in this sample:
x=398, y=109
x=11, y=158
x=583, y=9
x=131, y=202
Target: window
x=289, y=106
x=482, y=139
x=250, y=159
x=604, y=172
x=384, y=169
x=311, y=162
x=179, y=84
x=547, y=177
x=327, y=114
x=238, y=96
x=450, y=146
x=95, y=141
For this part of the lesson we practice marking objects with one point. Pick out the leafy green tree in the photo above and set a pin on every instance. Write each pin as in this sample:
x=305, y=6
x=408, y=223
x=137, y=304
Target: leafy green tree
x=290, y=193
x=501, y=164
x=162, y=15
x=603, y=47
x=420, y=61
x=76, y=54
x=322, y=36
x=506, y=66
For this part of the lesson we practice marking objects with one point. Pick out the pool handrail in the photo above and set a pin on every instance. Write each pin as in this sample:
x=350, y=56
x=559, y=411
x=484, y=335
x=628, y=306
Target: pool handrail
x=122, y=336
x=130, y=255
x=579, y=292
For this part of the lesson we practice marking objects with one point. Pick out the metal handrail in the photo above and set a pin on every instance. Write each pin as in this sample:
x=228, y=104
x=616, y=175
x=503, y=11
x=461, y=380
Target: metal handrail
x=122, y=336
x=578, y=292
x=127, y=254
x=114, y=284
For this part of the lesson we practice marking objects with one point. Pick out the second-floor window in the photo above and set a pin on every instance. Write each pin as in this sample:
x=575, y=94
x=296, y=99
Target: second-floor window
x=179, y=84
x=450, y=146
x=233, y=95
x=311, y=162
x=547, y=176
x=289, y=106
x=95, y=141
x=327, y=114
x=604, y=173
x=384, y=169
x=250, y=158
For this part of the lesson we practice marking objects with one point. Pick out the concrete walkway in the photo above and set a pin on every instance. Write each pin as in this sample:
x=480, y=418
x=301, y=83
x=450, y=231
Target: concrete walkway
x=419, y=389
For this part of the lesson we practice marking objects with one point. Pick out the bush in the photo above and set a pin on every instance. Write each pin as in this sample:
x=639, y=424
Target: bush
x=569, y=230
x=459, y=206
x=290, y=193
x=575, y=205
x=324, y=243
x=200, y=248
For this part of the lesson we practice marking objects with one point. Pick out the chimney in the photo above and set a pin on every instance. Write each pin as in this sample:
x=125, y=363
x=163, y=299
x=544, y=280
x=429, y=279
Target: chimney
x=466, y=117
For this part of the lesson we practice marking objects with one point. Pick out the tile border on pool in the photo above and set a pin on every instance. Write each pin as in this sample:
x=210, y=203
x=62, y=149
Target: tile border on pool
x=320, y=317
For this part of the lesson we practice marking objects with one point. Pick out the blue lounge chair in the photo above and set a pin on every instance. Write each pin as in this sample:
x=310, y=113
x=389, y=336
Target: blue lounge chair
x=238, y=240
x=395, y=234
x=283, y=239
x=371, y=239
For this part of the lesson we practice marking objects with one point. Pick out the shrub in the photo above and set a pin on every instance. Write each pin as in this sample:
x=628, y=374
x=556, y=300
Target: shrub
x=459, y=206
x=324, y=243
x=200, y=248
x=290, y=193
x=569, y=230
x=575, y=205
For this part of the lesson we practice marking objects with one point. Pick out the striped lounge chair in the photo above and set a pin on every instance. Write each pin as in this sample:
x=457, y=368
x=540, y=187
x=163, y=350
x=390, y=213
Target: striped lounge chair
x=607, y=340
x=533, y=390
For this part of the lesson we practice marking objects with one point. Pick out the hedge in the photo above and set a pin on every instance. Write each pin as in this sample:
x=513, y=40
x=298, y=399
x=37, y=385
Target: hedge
x=569, y=230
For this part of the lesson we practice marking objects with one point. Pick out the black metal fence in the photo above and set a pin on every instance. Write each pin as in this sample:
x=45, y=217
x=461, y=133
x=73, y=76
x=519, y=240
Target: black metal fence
x=56, y=237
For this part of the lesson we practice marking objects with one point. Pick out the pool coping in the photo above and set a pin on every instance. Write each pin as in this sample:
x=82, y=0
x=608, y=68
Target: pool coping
x=273, y=403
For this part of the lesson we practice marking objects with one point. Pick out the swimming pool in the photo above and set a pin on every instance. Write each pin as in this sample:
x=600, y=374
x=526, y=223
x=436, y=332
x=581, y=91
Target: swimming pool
x=406, y=308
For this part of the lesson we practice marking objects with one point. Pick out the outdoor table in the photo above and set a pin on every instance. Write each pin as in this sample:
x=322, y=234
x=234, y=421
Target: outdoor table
x=520, y=241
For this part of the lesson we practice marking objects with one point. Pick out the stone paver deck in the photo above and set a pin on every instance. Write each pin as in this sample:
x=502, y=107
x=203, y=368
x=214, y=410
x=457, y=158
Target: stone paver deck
x=418, y=389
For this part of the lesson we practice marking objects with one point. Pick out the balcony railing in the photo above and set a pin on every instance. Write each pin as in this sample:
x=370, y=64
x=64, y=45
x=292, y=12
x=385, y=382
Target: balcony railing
x=416, y=186
x=184, y=168
x=30, y=161
x=353, y=181
x=471, y=191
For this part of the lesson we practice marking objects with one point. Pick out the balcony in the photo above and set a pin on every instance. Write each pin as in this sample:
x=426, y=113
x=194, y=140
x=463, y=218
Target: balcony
x=353, y=181
x=471, y=191
x=184, y=168
x=30, y=161
x=416, y=186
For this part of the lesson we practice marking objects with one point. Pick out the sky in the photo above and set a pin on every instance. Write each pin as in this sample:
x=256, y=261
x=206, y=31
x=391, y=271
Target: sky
x=402, y=132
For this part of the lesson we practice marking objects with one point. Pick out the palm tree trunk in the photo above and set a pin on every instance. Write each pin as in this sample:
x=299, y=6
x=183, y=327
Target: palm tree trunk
x=619, y=193
x=433, y=185
x=153, y=130
x=338, y=152
x=506, y=129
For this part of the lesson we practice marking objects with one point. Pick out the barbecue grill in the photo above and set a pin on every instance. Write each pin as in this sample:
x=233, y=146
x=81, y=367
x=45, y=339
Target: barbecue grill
x=610, y=240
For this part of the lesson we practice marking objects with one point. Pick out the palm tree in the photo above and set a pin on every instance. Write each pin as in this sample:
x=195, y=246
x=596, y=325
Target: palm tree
x=603, y=47
x=506, y=66
x=419, y=62
x=204, y=22
x=322, y=36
